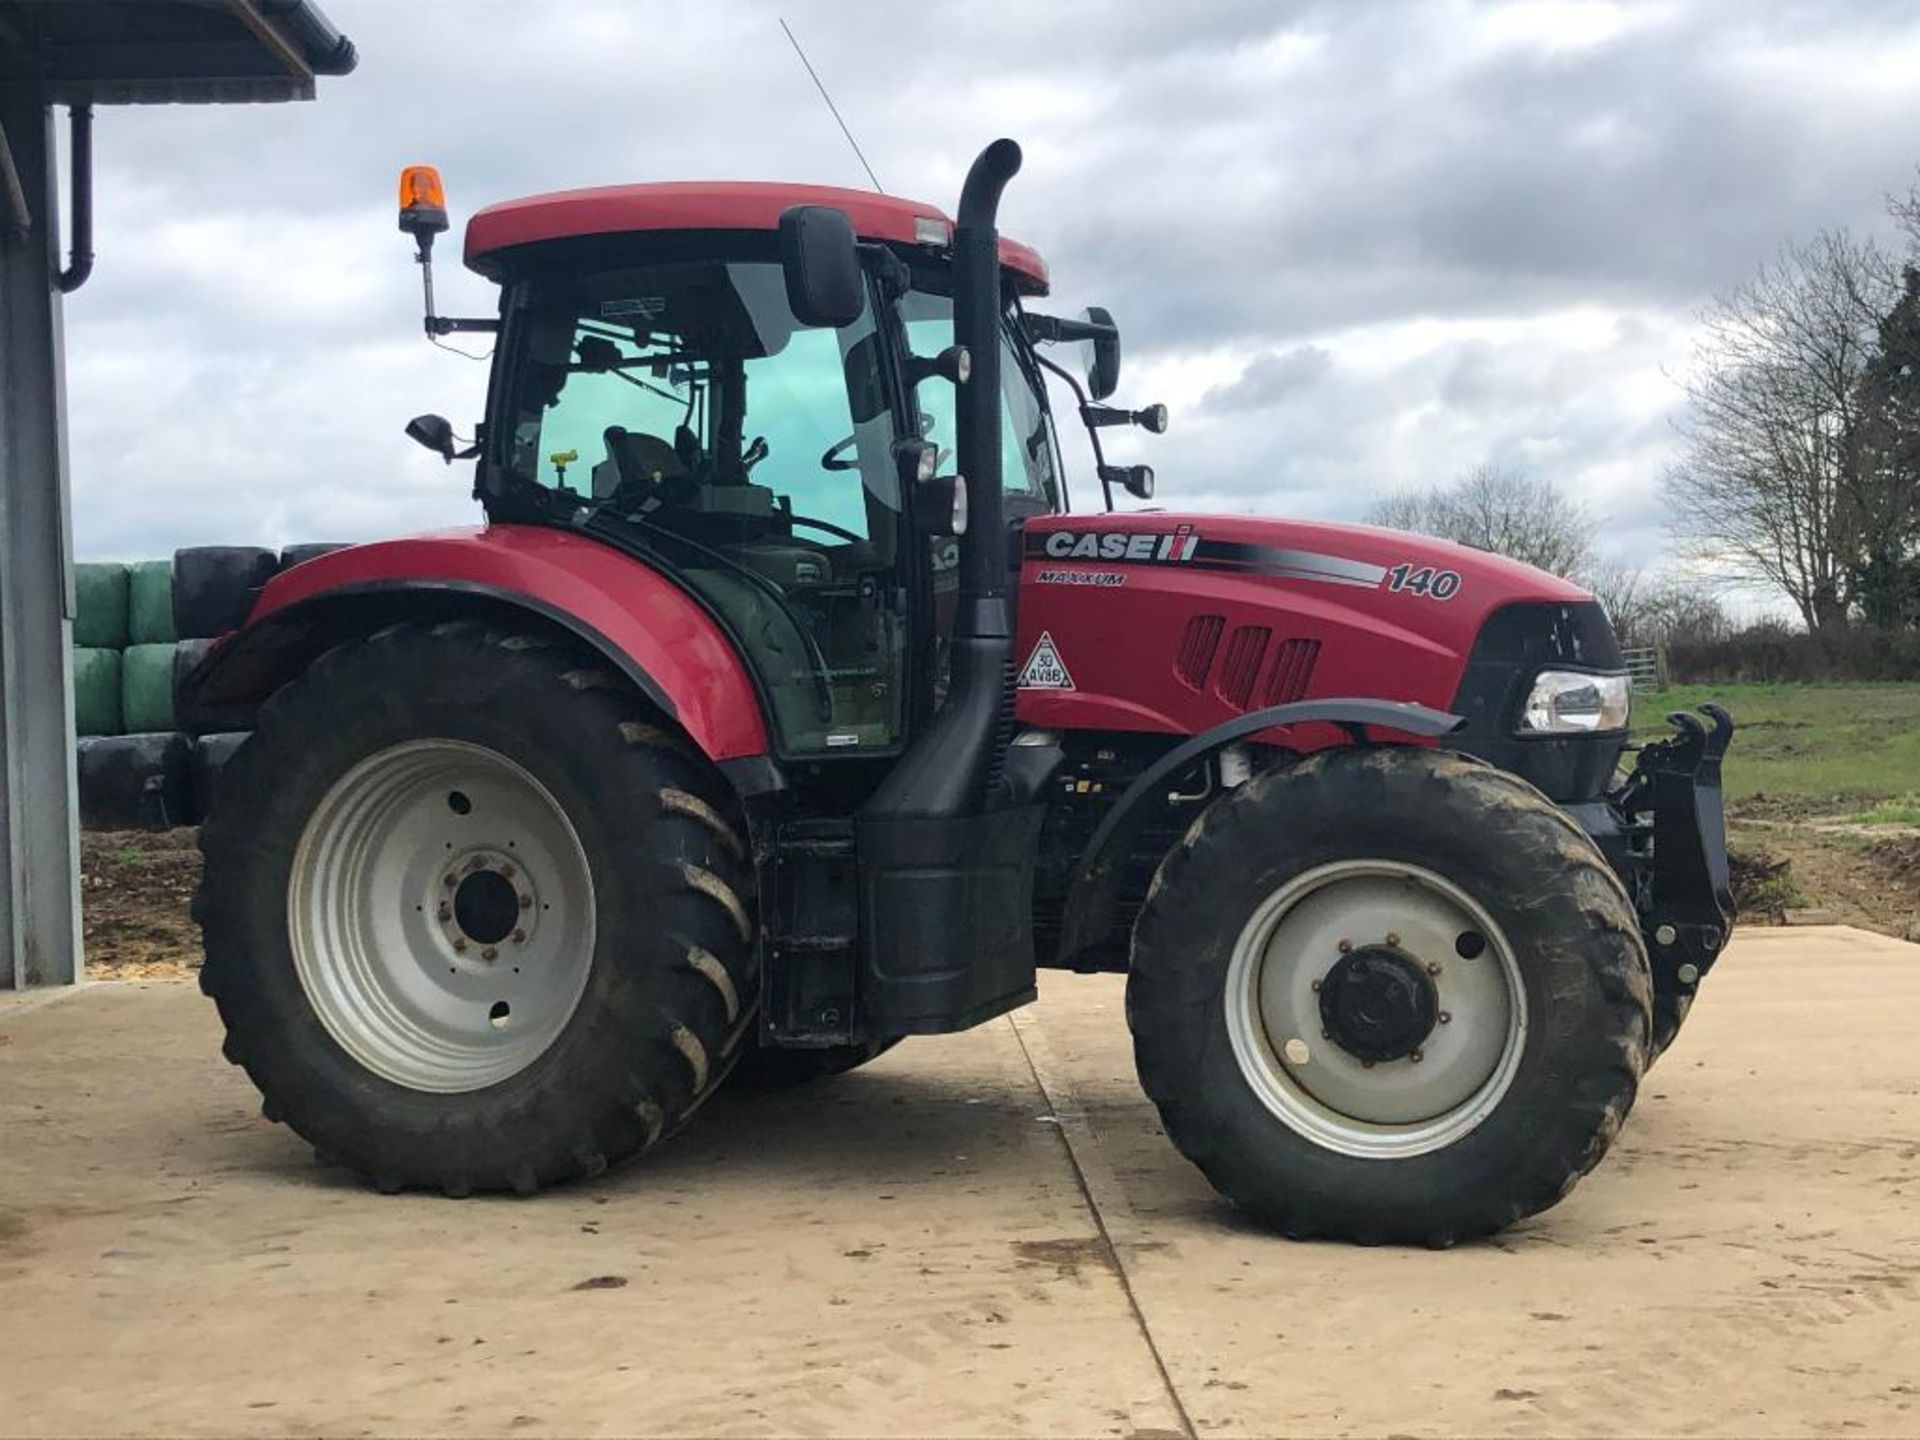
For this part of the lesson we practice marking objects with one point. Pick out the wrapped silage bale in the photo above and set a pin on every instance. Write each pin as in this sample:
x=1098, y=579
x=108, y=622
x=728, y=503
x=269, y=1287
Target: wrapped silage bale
x=96, y=691
x=100, y=605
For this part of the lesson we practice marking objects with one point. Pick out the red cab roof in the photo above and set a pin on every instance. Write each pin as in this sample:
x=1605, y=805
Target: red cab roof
x=717, y=205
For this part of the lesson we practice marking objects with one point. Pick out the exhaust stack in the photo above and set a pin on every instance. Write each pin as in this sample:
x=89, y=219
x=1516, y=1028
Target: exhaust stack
x=949, y=770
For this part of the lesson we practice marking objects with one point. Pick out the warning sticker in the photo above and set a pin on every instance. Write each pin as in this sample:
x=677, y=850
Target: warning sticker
x=1045, y=670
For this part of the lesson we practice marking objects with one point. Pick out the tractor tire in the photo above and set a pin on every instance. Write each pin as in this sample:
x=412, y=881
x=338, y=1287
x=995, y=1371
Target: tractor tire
x=1389, y=995
x=773, y=1067
x=473, y=920
x=1669, y=1014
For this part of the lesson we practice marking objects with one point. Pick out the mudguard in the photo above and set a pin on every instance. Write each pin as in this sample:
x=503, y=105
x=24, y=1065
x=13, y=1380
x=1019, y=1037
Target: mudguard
x=653, y=631
x=1093, y=893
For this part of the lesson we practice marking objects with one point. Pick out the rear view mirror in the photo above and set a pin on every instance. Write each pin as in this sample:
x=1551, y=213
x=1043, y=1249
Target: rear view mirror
x=435, y=432
x=821, y=261
x=1103, y=365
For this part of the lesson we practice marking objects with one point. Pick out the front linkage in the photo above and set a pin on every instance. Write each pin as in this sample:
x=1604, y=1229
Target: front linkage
x=1674, y=844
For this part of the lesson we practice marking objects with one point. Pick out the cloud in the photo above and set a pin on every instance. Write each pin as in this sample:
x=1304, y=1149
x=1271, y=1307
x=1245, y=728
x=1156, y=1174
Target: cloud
x=1270, y=379
x=1357, y=244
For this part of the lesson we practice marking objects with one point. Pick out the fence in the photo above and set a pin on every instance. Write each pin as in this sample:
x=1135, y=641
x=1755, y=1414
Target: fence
x=1647, y=667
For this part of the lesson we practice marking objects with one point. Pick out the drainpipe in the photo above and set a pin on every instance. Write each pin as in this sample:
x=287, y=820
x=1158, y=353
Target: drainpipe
x=80, y=253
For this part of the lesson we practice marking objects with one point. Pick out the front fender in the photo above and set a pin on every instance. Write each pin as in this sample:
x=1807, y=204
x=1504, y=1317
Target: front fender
x=1093, y=892
x=655, y=633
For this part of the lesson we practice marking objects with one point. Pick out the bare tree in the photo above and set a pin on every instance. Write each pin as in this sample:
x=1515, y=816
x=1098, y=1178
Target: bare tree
x=1769, y=488
x=1493, y=507
x=1622, y=590
x=1664, y=609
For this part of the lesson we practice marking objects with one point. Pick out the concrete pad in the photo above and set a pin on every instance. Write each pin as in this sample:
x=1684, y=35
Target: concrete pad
x=1746, y=1262
x=901, y=1252
x=912, y=1249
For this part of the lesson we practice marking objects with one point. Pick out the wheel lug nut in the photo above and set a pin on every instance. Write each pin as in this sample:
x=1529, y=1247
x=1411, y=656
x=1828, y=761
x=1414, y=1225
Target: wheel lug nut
x=526, y=902
x=1433, y=967
x=1316, y=985
x=519, y=937
x=460, y=946
x=1366, y=1064
x=446, y=912
x=506, y=872
x=1446, y=1017
x=489, y=953
x=1392, y=939
x=1417, y=1056
x=451, y=880
x=1345, y=946
x=1326, y=1034
x=476, y=864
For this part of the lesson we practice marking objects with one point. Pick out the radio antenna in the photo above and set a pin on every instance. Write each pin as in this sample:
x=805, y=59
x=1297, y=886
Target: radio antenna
x=819, y=85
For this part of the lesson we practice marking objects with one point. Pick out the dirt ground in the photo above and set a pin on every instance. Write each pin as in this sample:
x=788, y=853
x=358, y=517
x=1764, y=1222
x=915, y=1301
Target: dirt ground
x=136, y=891
x=980, y=1234
x=138, y=886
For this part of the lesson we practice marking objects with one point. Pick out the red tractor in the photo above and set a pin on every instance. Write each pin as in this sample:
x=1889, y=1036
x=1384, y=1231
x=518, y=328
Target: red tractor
x=748, y=737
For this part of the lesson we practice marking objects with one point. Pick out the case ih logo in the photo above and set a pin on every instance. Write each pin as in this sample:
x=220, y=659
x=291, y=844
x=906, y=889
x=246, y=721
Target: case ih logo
x=1183, y=546
x=1166, y=549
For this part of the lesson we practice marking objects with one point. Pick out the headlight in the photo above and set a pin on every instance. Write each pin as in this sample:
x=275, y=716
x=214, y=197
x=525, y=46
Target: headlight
x=1567, y=702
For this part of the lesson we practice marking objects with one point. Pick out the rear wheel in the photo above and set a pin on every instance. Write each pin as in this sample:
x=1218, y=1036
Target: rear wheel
x=471, y=920
x=1389, y=995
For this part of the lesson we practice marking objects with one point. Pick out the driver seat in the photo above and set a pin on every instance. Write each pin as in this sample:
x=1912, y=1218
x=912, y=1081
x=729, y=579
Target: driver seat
x=638, y=465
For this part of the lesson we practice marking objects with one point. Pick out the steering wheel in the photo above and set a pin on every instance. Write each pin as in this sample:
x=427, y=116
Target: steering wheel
x=832, y=461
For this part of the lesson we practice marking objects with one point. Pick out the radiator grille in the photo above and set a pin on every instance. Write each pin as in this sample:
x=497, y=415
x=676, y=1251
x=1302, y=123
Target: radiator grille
x=1197, y=644
x=1240, y=666
x=1292, y=669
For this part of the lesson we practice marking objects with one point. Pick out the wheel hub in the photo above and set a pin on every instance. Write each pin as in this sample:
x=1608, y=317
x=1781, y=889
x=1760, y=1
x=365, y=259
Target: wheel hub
x=441, y=915
x=1378, y=1003
x=1363, y=1019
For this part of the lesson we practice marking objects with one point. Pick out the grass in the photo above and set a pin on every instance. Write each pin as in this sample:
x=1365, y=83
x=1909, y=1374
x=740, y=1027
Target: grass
x=1840, y=749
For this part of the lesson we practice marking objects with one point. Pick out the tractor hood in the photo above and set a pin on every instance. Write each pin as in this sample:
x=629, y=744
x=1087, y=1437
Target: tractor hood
x=1177, y=622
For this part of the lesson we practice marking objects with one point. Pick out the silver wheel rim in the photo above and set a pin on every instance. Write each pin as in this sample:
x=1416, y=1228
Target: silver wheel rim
x=441, y=914
x=1389, y=1109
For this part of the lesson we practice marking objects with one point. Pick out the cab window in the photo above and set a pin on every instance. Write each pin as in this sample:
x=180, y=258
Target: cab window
x=1027, y=459
x=746, y=453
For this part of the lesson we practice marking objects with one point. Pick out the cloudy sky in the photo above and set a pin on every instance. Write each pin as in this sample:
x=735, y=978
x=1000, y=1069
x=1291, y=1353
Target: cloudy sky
x=1357, y=245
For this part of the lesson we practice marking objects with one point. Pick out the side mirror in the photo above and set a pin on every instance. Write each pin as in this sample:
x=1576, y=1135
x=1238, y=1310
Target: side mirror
x=435, y=432
x=1103, y=365
x=1137, y=480
x=821, y=261
x=937, y=503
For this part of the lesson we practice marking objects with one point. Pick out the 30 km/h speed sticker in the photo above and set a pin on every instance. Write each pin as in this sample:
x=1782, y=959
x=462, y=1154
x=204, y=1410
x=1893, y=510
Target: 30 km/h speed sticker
x=1045, y=670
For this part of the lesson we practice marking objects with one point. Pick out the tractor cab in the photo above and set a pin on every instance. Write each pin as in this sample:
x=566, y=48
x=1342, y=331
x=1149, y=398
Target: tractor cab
x=653, y=384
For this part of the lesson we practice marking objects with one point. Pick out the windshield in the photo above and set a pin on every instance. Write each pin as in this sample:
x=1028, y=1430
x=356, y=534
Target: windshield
x=670, y=384
x=1028, y=463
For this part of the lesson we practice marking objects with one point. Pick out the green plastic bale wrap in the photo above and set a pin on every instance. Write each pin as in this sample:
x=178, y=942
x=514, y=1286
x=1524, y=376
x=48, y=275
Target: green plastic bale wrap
x=96, y=691
x=150, y=603
x=100, y=606
x=146, y=689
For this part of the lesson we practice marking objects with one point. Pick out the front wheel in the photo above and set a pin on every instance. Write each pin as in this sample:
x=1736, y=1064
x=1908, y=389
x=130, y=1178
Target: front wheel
x=1389, y=995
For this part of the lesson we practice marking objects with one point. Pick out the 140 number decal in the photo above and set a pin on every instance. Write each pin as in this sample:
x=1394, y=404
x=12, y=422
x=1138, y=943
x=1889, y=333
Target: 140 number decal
x=1425, y=581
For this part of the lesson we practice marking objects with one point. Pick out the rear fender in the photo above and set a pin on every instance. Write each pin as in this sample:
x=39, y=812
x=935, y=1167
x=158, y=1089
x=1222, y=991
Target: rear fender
x=645, y=626
x=1093, y=892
